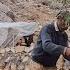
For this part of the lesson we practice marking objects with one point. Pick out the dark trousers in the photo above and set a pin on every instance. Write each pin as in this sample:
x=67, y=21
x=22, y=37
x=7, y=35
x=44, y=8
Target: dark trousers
x=28, y=40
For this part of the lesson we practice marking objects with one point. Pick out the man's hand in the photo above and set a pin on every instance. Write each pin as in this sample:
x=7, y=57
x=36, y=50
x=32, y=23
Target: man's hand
x=67, y=52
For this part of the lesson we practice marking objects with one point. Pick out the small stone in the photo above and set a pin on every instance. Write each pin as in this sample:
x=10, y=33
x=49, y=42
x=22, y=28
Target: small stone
x=3, y=54
x=25, y=59
x=7, y=67
x=7, y=60
x=13, y=66
x=21, y=67
x=2, y=50
x=7, y=49
x=1, y=69
x=2, y=65
x=13, y=49
x=19, y=48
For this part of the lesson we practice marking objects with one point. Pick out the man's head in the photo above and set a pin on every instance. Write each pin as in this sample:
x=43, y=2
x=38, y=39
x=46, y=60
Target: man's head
x=63, y=20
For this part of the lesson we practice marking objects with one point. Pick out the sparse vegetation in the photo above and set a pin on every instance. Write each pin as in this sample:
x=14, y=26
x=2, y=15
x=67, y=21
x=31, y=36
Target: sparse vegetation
x=40, y=11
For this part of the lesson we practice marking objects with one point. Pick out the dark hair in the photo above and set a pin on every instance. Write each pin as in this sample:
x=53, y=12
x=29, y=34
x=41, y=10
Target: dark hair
x=62, y=14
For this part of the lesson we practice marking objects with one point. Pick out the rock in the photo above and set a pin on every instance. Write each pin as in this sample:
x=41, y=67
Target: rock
x=2, y=66
x=7, y=49
x=2, y=50
x=8, y=59
x=26, y=49
x=56, y=6
x=13, y=66
x=11, y=15
x=8, y=67
x=60, y=62
x=46, y=3
x=13, y=49
x=19, y=49
x=21, y=66
x=4, y=8
x=12, y=1
x=25, y=59
x=1, y=69
x=22, y=57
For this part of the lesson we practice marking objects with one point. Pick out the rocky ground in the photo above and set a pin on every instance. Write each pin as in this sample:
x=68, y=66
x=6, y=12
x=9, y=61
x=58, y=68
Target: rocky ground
x=23, y=10
x=41, y=11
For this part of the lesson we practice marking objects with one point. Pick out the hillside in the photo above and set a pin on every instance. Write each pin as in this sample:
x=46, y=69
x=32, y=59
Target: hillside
x=40, y=11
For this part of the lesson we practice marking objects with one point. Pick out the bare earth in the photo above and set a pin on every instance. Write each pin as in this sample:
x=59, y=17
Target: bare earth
x=15, y=58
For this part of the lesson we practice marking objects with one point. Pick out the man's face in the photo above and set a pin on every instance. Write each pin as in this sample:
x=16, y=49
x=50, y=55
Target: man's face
x=62, y=24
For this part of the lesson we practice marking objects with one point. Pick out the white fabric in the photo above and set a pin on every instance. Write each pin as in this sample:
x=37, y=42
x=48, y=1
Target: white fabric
x=24, y=28
x=20, y=28
x=3, y=35
x=55, y=25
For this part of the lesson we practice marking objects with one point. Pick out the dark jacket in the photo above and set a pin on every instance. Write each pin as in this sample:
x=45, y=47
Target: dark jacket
x=49, y=46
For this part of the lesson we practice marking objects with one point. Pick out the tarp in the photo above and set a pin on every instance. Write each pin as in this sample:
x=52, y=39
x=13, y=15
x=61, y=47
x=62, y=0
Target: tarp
x=21, y=28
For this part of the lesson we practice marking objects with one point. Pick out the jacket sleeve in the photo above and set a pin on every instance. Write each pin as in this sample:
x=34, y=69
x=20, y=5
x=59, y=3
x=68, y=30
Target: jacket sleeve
x=48, y=45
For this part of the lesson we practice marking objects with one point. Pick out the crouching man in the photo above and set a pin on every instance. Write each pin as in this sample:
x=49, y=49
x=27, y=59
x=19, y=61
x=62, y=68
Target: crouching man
x=51, y=43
